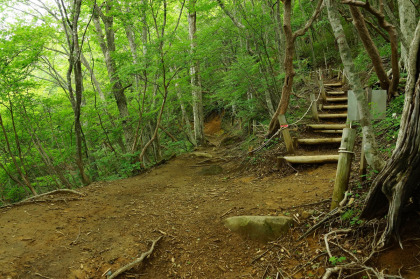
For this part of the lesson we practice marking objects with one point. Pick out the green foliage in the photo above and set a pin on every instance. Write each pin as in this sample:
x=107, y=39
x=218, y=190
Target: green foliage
x=239, y=70
x=15, y=194
x=334, y=260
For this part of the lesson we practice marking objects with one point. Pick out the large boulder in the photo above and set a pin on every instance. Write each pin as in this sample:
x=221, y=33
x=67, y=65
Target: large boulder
x=263, y=228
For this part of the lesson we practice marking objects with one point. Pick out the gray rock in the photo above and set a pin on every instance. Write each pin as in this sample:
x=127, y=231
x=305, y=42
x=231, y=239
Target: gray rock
x=263, y=228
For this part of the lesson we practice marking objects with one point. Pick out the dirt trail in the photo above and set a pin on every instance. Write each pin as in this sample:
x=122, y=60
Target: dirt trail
x=114, y=222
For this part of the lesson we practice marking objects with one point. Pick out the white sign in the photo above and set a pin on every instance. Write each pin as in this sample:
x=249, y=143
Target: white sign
x=376, y=101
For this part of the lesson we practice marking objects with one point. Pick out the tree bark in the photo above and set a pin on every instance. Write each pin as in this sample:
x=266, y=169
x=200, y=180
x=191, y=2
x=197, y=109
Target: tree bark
x=400, y=179
x=370, y=147
x=195, y=78
x=407, y=12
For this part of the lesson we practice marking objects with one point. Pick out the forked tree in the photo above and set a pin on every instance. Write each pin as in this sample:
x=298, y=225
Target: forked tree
x=288, y=60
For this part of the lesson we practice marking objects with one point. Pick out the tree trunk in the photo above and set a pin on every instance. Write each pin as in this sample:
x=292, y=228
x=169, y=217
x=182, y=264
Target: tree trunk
x=407, y=12
x=392, y=89
x=75, y=66
x=400, y=179
x=185, y=117
x=288, y=60
x=359, y=23
x=93, y=77
x=108, y=48
x=17, y=166
x=370, y=147
x=195, y=78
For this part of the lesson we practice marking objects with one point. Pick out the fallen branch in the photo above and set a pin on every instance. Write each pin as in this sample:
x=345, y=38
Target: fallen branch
x=137, y=261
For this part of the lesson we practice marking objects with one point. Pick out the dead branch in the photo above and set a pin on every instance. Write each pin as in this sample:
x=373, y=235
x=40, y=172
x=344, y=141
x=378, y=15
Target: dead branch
x=137, y=261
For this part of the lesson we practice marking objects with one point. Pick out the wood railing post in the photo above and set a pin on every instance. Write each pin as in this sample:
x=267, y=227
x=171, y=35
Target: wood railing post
x=343, y=166
x=321, y=86
x=286, y=134
x=314, y=107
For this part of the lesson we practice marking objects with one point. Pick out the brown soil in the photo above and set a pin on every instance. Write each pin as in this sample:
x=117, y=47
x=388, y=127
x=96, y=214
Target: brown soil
x=65, y=236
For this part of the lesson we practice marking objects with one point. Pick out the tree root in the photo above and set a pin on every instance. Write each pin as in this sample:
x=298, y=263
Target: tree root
x=137, y=261
x=35, y=198
x=357, y=265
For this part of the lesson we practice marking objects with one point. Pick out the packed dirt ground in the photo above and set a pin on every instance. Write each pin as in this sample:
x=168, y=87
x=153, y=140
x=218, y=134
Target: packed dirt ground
x=184, y=200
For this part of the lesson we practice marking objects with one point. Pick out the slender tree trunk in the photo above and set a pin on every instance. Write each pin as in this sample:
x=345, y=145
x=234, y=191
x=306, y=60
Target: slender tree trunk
x=15, y=163
x=195, y=78
x=108, y=49
x=288, y=60
x=93, y=77
x=370, y=147
x=75, y=67
x=392, y=89
x=359, y=23
x=185, y=117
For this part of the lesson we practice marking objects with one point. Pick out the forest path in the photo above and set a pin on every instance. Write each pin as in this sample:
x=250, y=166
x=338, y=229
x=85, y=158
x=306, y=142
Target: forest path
x=72, y=237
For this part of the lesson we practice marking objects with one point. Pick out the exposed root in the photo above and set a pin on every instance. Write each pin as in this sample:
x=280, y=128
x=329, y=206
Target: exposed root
x=357, y=266
x=35, y=198
x=137, y=261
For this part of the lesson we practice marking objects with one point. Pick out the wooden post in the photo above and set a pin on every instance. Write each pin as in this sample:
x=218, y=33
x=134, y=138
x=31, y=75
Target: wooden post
x=314, y=107
x=363, y=163
x=321, y=86
x=343, y=81
x=286, y=134
x=344, y=166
